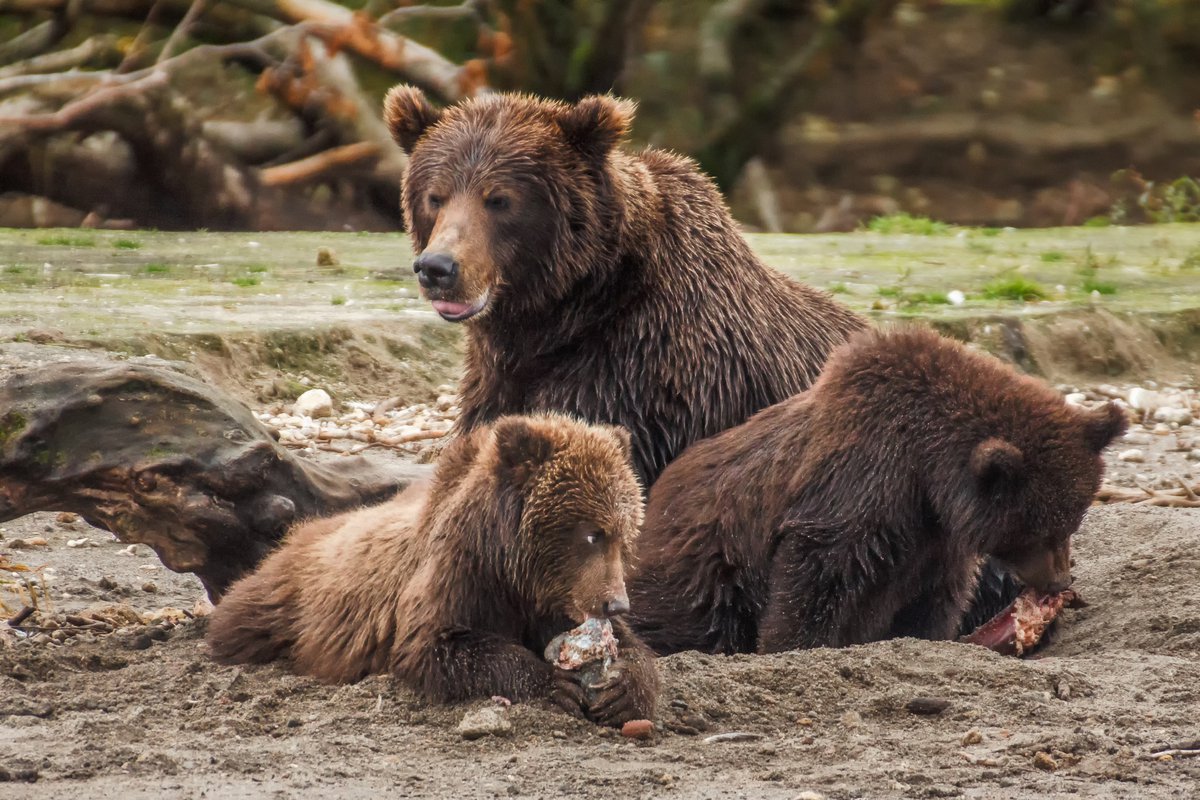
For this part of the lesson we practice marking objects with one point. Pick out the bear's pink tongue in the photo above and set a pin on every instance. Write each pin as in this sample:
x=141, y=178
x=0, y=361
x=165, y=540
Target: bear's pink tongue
x=445, y=307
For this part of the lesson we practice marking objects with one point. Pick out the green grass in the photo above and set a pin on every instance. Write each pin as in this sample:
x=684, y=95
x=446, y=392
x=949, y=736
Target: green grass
x=1051, y=256
x=257, y=268
x=906, y=223
x=246, y=281
x=337, y=300
x=158, y=268
x=927, y=298
x=68, y=241
x=127, y=244
x=1015, y=288
x=837, y=288
x=1090, y=284
x=1097, y=222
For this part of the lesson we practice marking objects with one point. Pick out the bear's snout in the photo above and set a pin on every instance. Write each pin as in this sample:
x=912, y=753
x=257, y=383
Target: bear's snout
x=436, y=270
x=616, y=606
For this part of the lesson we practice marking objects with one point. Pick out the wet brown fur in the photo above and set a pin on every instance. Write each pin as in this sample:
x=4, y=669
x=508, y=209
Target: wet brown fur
x=618, y=286
x=860, y=509
x=457, y=586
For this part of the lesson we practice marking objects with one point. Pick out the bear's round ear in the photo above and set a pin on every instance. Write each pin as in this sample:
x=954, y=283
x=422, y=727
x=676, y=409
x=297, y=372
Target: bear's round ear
x=1104, y=424
x=522, y=448
x=997, y=459
x=595, y=124
x=408, y=115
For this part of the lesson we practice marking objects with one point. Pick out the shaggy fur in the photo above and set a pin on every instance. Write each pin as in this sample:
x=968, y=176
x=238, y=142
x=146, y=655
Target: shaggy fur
x=605, y=284
x=860, y=510
x=457, y=587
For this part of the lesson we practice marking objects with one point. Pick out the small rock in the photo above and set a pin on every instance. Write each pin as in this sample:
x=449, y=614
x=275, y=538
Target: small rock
x=137, y=641
x=1043, y=761
x=81, y=542
x=1076, y=398
x=1194, y=455
x=638, y=729
x=484, y=722
x=66, y=518
x=927, y=705
x=1133, y=456
x=20, y=544
x=149, y=587
x=956, y=297
x=732, y=736
x=446, y=401
x=809, y=795
x=1144, y=399
x=972, y=737
x=315, y=403
x=326, y=257
x=1177, y=416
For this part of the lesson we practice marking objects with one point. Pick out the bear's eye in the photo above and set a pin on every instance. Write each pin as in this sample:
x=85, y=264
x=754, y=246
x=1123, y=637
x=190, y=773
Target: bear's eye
x=595, y=537
x=435, y=201
x=496, y=202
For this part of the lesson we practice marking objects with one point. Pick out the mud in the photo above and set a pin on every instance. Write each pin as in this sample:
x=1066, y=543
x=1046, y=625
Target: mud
x=1119, y=682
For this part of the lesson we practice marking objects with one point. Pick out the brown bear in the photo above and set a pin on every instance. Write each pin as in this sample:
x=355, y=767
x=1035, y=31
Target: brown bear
x=860, y=509
x=614, y=286
x=457, y=587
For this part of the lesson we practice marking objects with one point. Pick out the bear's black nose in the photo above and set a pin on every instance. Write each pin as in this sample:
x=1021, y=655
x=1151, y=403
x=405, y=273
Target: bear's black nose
x=616, y=607
x=436, y=270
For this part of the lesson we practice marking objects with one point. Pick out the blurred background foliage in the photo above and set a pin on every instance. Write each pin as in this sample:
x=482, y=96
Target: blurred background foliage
x=810, y=115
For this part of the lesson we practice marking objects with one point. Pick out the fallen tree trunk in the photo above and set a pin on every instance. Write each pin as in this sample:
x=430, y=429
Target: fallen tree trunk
x=160, y=458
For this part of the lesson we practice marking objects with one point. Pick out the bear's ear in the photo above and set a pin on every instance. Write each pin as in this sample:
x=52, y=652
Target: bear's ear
x=1104, y=424
x=408, y=115
x=996, y=459
x=595, y=124
x=522, y=448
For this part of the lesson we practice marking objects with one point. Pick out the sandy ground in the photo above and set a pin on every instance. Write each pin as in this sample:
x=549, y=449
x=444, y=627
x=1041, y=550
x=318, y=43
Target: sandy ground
x=97, y=716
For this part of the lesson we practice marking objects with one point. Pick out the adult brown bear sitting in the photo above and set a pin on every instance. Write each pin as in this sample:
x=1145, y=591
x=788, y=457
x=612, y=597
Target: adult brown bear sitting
x=456, y=589
x=859, y=509
x=608, y=285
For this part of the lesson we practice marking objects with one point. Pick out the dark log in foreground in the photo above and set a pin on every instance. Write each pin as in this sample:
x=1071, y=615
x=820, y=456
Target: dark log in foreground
x=161, y=458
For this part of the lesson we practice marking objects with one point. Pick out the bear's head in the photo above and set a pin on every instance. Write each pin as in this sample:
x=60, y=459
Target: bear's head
x=579, y=508
x=508, y=198
x=1031, y=486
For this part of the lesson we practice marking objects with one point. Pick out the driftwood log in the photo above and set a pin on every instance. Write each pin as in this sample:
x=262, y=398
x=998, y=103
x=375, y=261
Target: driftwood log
x=160, y=458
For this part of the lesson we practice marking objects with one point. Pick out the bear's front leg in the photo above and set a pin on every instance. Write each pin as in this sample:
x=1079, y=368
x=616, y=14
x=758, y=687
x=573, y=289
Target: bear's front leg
x=463, y=664
x=631, y=689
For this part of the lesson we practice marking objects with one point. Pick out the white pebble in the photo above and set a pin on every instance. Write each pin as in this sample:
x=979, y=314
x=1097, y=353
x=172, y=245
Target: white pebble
x=1076, y=398
x=956, y=297
x=1134, y=456
x=1144, y=399
x=315, y=403
x=1178, y=416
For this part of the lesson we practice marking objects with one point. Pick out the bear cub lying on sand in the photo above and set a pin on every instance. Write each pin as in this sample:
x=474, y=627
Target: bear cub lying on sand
x=860, y=509
x=457, y=587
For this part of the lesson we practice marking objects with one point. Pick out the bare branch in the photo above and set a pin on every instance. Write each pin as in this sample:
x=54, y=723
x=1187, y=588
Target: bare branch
x=92, y=49
x=468, y=9
x=342, y=28
x=181, y=30
x=319, y=165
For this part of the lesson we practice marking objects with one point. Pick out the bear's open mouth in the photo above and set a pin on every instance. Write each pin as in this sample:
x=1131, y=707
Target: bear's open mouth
x=458, y=312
